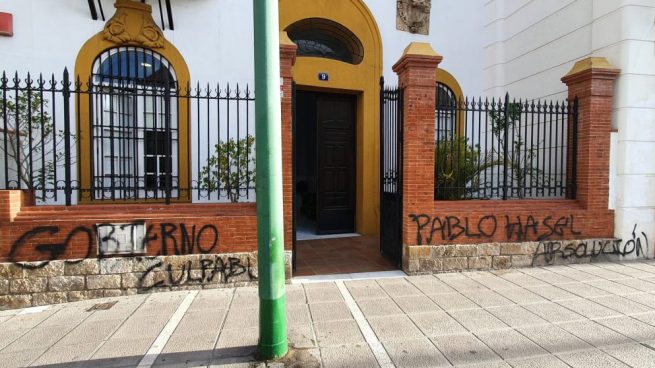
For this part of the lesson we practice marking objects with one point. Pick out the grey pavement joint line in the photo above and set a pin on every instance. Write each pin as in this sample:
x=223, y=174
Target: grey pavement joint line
x=156, y=348
x=371, y=339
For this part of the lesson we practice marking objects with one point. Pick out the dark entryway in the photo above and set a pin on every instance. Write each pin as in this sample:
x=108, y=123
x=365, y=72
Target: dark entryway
x=324, y=154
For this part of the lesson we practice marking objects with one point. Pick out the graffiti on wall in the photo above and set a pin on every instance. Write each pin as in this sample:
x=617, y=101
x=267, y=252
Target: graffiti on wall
x=515, y=228
x=216, y=269
x=172, y=239
x=548, y=251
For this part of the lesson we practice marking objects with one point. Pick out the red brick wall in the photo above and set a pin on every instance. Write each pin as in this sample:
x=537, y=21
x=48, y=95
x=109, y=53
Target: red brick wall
x=476, y=221
x=287, y=59
x=416, y=76
x=56, y=232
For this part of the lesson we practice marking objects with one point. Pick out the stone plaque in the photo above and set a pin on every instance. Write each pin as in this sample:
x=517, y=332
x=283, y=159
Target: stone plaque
x=413, y=16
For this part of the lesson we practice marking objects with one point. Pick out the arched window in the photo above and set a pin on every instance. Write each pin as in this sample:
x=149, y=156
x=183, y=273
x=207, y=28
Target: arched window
x=446, y=113
x=134, y=125
x=324, y=38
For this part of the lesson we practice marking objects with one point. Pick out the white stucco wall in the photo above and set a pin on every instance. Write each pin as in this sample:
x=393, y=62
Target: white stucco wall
x=533, y=43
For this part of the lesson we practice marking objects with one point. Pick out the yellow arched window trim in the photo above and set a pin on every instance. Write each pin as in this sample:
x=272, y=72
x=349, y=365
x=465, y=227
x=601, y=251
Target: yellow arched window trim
x=444, y=77
x=131, y=25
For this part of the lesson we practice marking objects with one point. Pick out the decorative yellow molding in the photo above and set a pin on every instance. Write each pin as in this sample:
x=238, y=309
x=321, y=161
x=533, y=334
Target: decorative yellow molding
x=591, y=63
x=133, y=24
x=420, y=49
x=284, y=39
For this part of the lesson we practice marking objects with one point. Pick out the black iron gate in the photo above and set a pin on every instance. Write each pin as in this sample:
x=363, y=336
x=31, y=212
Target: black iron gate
x=391, y=173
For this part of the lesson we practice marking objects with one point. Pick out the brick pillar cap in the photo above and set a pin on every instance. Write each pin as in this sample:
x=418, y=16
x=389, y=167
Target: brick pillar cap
x=592, y=65
x=418, y=51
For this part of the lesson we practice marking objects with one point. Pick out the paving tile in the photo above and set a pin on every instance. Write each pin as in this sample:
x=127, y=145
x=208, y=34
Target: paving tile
x=510, y=344
x=590, y=358
x=241, y=318
x=379, y=307
x=522, y=279
x=37, y=338
x=638, y=284
x=121, y=352
x=478, y=320
x=415, y=353
x=521, y=296
x=431, y=285
x=437, y=324
x=646, y=299
x=348, y=356
x=398, y=287
x=594, y=333
x=19, y=358
x=487, y=298
x=462, y=283
x=552, y=312
x=302, y=337
x=323, y=294
x=553, y=293
x=91, y=331
x=187, y=350
x=588, y=308
x=9, y=335
x=194, y=322
x=584, y=290
x=605, y=274
x=553, y=338
x=630, y=327
x=416, y=304
x=394, y=328
x=59, y=354
x=464, y=349
x=330, y=311
x=516, y=316
x=236, y=343
x=491, y=281
x=365, y=289
x=543, y=361
x=554, y=278
x=576, y=275
x=622, y=304
x=211, y=299
x=298, y=314
x=338, y=333
x=648, y=318
x=295, y=294
x=613, y=287
x=635, y=355
x=453, y=301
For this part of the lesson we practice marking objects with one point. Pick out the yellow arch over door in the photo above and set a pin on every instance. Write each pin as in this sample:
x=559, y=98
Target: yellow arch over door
x=361, y=80
x=131, y=25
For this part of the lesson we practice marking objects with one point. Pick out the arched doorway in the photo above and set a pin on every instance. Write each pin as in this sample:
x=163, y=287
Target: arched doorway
x=336, y=137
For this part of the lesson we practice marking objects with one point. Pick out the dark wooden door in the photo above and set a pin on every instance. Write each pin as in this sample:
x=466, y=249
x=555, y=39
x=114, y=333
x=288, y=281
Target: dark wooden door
x=335, y=163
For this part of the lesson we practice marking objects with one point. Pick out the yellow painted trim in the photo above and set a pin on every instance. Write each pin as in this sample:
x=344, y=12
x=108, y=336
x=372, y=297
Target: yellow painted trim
x=87, y=55
x=590, y=63
x=420, y=48
x=444, y=77
x=362, y=80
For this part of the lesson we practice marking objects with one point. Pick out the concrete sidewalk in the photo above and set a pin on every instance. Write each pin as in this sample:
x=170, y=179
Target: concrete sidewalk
x=591, y=315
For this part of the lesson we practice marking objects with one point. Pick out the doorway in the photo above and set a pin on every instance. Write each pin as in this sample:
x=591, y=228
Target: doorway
x=325, y=174
x=325, y=163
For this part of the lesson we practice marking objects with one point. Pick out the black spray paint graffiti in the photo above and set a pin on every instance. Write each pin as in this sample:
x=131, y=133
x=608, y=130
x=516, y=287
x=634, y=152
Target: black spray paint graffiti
x=188, y=240
x=219, y=269
x=550, y=250
x=515, y=228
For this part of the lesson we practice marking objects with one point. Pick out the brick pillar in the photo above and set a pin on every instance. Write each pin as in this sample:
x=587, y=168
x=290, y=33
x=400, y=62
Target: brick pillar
x=592, y=81
x=287, y=59
x=11, y=202
x=416, y=71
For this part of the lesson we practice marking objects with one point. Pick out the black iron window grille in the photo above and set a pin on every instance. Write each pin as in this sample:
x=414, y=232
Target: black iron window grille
x=504, y=149
x=135, y=111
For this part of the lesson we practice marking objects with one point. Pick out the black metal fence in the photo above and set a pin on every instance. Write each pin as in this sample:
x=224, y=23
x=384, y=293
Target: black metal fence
x=131, y=140
x=502, y=148
x=391, y=171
